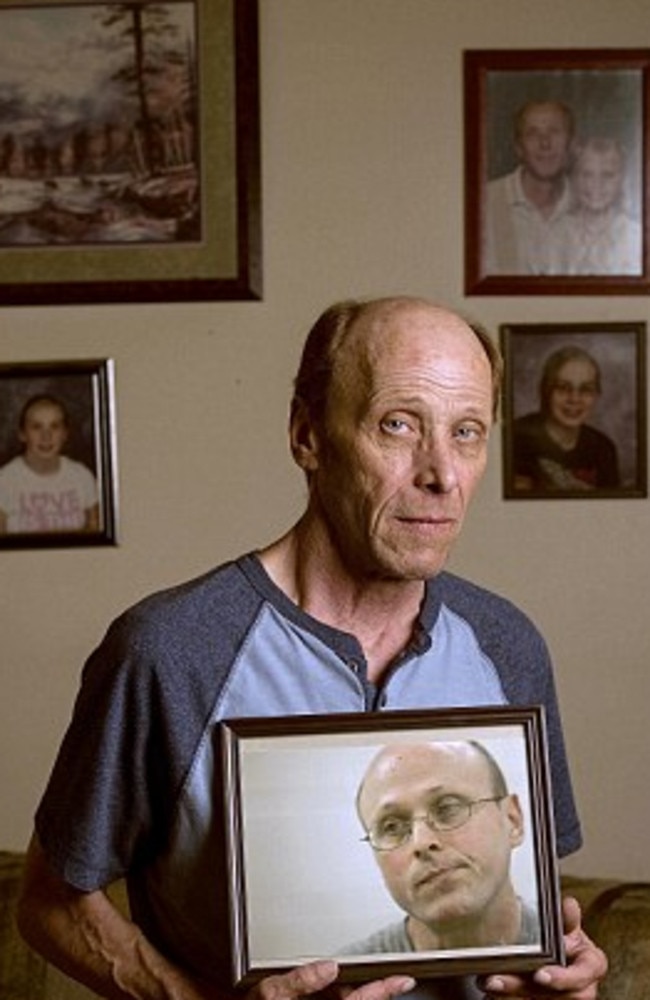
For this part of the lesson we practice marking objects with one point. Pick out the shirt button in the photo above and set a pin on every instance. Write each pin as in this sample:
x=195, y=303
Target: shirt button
x=354, y=666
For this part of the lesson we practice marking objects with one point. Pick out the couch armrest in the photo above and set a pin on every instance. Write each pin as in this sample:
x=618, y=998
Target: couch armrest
x=24, y=975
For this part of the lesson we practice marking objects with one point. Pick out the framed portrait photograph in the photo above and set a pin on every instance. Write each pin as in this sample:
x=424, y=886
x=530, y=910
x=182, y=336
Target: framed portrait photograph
x=556, y=171
x=58, y=465
x=129, y=172
x=574, y=410
x=378, y=840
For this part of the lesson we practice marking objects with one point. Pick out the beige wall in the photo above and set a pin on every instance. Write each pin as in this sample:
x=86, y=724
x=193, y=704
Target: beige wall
x=362, y=149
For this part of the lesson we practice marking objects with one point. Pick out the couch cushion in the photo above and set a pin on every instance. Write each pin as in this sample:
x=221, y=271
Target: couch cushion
x=616, y=915
x=619, y=920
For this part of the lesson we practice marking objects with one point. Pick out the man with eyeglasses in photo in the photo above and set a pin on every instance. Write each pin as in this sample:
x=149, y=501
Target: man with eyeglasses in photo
x=442, y=826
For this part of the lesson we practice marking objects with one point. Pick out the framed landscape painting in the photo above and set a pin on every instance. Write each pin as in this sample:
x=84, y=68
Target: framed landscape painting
x=129, y=151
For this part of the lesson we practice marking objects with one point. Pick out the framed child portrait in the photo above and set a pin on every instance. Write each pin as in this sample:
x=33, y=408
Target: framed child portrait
x=574, y=410
x=556, y=171
x=342, y=800
x=58, y=485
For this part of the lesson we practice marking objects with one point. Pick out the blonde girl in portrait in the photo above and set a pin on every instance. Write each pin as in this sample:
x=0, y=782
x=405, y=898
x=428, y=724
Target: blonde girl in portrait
x=600, y=236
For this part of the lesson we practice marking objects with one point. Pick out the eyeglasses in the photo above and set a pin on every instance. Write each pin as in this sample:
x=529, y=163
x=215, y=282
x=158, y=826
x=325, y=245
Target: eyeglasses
x=448, y=813
x=584, y=389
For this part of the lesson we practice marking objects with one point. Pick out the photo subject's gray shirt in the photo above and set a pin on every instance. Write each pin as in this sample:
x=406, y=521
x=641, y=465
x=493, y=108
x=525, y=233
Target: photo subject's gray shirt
x=395, y=938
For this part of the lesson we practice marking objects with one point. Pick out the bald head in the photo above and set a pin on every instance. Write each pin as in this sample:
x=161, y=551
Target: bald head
x=431, y=765
x=339, y=332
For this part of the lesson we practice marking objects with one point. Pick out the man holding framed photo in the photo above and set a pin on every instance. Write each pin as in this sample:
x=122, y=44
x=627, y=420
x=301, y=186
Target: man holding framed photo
x=350, y=610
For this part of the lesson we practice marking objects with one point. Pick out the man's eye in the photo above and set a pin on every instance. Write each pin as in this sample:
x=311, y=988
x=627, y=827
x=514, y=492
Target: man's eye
x=448, y=809
x=469, y=432
x=391, y=826
x=394, y=425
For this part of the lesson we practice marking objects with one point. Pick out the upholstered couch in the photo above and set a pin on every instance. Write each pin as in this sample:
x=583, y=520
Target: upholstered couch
x=616, y=914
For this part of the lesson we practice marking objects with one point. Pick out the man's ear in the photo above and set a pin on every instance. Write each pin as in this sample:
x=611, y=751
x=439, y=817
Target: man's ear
x=516, y=818
x=303, y=437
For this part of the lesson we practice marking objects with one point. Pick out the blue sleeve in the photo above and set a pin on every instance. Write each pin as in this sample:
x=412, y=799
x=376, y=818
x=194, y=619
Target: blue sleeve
x=521, y=657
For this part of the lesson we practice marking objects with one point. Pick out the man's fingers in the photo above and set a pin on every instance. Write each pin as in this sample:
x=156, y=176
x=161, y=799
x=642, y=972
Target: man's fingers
x=383, y=989
x=571, y=915
x=300, y=982
x=316, y=977
x=577, y=980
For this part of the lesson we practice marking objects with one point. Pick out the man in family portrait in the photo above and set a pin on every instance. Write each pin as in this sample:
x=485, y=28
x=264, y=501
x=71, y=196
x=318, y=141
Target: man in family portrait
x=525, y=208
x=442, y=826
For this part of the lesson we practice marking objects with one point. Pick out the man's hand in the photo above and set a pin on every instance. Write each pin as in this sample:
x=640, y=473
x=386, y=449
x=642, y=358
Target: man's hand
x=578, y=980
x=318, y=976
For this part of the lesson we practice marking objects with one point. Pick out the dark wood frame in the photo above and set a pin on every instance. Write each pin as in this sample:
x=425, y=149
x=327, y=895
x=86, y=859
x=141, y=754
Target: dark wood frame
x=559, y=64
x=523, y=363
x=248, y=744
x=95, y=377
x=229, y=168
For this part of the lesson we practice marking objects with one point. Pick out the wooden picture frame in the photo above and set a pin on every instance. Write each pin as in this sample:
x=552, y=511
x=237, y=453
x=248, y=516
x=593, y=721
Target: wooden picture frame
x=292, y=783
x=56, y=411
x=132, y=172
x=574, y=411
x=557, y=171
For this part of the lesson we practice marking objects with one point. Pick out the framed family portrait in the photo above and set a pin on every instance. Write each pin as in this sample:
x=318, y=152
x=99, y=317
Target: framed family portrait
x=129, y=171
x=556, y=171
x=58, y=466
x=574, y=410
x=372, y=821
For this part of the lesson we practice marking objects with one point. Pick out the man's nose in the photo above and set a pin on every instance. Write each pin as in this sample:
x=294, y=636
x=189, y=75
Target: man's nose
x=436, y=467
x=424, y=836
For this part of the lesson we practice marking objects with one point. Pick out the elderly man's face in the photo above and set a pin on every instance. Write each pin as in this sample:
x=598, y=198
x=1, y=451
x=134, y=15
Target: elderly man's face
x=405, y=441
x=441, y=878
